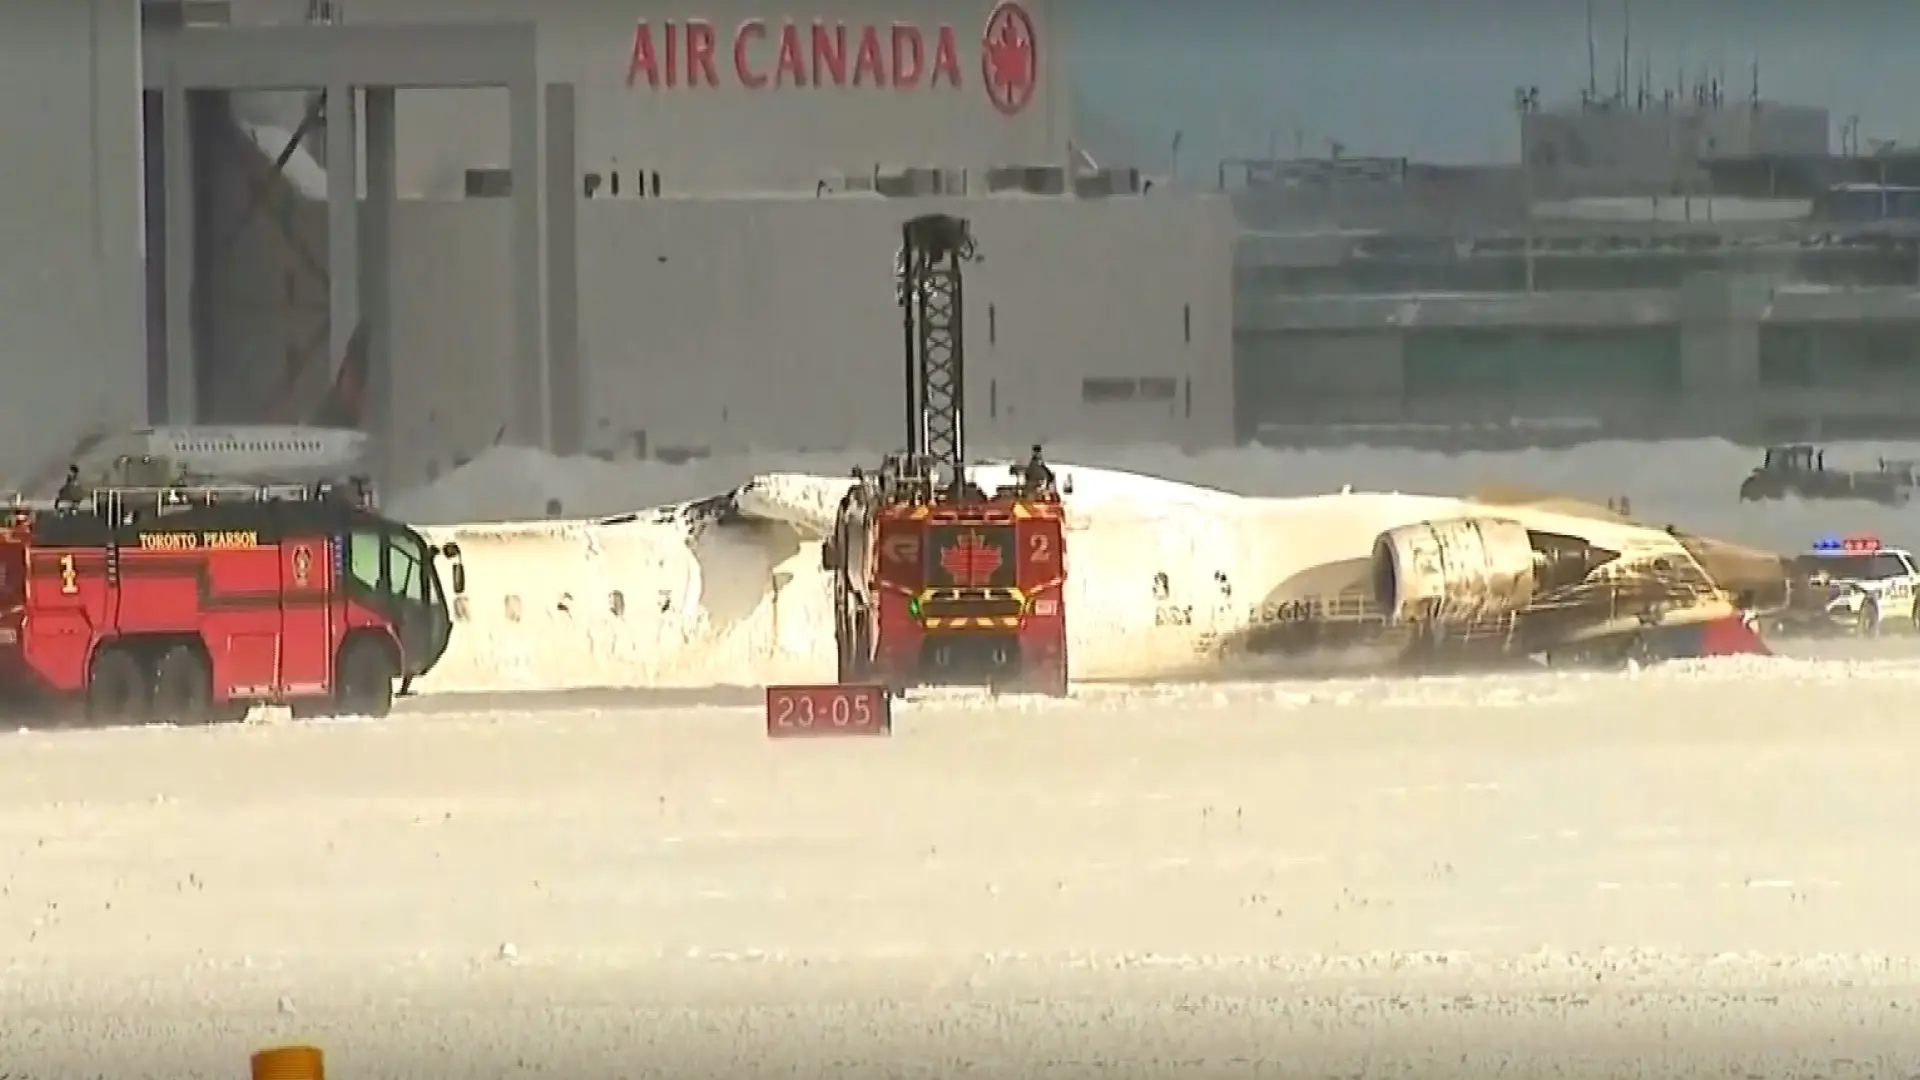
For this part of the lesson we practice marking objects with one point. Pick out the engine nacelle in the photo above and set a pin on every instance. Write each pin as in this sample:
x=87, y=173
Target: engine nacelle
x=1454, y=572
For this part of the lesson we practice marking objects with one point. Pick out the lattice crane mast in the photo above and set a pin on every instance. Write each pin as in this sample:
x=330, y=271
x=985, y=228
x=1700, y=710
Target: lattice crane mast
x=930, y=289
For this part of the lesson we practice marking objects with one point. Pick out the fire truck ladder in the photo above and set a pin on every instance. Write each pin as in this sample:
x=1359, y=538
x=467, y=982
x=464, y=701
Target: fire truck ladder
x=928, y=286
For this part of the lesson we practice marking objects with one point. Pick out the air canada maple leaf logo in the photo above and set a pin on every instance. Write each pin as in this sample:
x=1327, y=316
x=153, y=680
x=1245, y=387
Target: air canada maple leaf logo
x=970, y=561
x=1010, y=57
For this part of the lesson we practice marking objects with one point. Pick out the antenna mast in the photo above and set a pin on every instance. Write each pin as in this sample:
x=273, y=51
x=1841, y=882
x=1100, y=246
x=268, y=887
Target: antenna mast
x=1626, y=51
x=1593, y=59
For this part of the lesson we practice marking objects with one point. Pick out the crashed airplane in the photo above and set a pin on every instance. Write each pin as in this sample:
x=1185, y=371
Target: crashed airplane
x=1166, y=582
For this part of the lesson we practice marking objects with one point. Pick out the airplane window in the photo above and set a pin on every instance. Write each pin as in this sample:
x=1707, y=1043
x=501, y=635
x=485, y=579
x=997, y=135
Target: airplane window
x=617, y=603
x=513, y=609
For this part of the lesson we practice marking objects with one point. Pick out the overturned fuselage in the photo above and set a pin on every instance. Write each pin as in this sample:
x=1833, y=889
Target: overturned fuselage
x=1167, y=582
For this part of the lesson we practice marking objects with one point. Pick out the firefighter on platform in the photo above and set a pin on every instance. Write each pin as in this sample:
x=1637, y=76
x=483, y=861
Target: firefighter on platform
x=1038, y=477
x=69, y=495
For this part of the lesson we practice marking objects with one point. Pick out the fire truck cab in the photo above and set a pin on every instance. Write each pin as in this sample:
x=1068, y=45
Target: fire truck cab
x=189, y=605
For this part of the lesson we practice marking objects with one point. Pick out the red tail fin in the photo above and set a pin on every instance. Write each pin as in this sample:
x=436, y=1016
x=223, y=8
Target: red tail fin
x=1731, y=636
x=346, y=400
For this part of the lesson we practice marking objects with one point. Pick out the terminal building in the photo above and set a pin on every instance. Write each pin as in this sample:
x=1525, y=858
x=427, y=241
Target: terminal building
x=1683, y=264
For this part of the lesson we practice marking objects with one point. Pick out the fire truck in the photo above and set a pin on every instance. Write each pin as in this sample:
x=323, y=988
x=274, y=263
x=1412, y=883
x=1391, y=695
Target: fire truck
x=936, y=581
x=189, y=605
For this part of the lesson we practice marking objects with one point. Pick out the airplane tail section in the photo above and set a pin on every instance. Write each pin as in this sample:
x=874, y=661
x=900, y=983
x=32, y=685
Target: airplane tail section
x=344, y=405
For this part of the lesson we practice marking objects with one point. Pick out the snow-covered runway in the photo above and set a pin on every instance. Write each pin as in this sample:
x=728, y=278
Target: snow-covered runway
x=1706, y=864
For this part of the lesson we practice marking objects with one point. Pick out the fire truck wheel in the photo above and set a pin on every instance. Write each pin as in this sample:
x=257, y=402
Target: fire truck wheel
x=182, y=688
x=117, y=687
x=366, y=679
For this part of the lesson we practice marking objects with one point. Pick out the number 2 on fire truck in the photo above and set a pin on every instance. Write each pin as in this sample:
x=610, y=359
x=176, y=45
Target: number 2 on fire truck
x=1042, y=547
x=69, y=579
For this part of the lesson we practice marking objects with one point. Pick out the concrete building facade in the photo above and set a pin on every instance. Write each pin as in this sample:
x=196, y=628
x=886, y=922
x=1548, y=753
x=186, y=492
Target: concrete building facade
x=691, y=253
x=70, y=228
x=710, y=325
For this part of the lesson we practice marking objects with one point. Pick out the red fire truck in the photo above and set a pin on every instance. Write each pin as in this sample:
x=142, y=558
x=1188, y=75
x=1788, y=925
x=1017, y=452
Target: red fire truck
x=937, y=581
x=936, y=591
x=189, y=605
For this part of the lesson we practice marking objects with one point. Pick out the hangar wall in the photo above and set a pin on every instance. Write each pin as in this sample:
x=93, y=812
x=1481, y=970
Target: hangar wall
x=716, y=324
x=725, y=135
x=72, y=293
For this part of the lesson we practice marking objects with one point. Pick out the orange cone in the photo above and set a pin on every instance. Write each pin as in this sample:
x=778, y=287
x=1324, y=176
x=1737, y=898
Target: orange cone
x=289, y=1063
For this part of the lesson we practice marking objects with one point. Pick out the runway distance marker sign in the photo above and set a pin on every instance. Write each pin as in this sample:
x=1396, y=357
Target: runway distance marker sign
x=828, y=711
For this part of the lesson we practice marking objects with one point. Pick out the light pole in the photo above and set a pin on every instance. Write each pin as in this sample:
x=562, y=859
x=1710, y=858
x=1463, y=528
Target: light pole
x=1526, y=100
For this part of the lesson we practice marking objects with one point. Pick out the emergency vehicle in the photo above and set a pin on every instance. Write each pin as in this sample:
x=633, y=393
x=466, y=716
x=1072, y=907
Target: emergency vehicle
x=937, y=582
x=189, y=605
x=1852, y=585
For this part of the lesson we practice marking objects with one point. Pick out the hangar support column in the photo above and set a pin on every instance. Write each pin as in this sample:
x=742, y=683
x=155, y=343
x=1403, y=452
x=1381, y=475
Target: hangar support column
x=530, y=421
x=568, y=409
x=343, y=220
x=376, y=273
x=176, y=153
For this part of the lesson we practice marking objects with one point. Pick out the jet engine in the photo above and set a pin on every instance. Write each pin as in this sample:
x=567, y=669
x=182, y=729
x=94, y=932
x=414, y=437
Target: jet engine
x=1463, y=571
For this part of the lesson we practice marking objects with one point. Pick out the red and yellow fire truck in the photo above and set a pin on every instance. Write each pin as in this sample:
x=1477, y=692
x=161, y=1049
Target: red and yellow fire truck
x=937, y=581
x=188, y=605
x=951, y=591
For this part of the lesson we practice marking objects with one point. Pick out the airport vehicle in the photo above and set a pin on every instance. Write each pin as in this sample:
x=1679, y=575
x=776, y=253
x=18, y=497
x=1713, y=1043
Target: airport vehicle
x=188, y=605
x=1801, y=471
x=1852, y=585
x=936, y=581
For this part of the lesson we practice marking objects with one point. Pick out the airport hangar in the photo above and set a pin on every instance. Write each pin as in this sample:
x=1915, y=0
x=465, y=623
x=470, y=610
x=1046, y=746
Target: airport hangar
x=643, y=227
x=1682, y=264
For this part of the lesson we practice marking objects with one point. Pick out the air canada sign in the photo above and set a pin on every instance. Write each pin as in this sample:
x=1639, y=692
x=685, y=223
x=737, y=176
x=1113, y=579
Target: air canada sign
x=789, y=54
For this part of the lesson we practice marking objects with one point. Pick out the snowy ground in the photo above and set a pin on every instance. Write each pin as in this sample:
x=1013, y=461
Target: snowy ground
x=1702, y=870
x=1692, y=871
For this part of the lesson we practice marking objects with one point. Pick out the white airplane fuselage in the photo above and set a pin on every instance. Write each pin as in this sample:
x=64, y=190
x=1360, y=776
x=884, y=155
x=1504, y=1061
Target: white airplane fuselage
x=1160, y=595
x=239, y=452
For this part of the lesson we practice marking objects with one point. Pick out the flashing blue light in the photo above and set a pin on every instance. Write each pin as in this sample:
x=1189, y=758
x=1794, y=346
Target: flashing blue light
x=1846, y=545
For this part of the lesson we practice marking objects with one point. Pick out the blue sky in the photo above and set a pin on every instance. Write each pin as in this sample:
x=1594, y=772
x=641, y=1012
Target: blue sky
x=1435, y=80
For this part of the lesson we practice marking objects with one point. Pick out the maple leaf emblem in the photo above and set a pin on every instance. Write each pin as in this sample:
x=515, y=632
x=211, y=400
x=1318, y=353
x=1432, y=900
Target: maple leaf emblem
x=970, y=562
x=1010, y=58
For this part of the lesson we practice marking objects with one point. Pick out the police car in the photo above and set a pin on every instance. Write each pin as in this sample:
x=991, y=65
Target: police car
x=1855, y=584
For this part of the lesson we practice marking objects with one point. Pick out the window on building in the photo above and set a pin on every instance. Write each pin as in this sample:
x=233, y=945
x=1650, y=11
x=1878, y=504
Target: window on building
x=1102, y=391
x=1158, y=389
x=1108, y=389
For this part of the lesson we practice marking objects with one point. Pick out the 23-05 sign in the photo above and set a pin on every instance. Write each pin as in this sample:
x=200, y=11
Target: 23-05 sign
x=800, y=712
